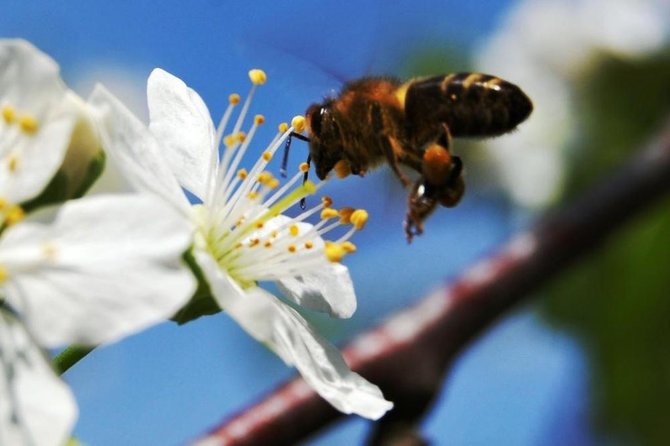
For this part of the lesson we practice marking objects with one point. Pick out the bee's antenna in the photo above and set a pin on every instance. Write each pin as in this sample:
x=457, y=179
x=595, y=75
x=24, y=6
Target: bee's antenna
x=287, y=146
x=304, y=180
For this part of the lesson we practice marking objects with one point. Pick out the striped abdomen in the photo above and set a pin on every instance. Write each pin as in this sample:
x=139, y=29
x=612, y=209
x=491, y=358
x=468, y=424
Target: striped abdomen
x=471, y=104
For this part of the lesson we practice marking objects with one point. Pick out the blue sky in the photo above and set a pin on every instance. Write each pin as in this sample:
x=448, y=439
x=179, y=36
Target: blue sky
x=517, y=385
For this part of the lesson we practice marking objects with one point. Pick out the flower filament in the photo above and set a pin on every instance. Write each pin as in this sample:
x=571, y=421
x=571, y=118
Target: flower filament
x=241, y=220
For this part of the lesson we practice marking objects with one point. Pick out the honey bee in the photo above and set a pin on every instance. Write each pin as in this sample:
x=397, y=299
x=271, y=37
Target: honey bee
x=376, y=120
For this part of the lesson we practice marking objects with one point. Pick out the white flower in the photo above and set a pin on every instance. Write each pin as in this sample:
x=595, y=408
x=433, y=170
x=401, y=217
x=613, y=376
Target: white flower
x=41, y=123
x=105, y=268
x=545, y=46
x=36, y=407
x=241, y=235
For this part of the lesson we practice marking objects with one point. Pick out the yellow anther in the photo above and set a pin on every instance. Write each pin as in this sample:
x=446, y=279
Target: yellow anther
x=242, y=174
x=359, y=218
x=259, y=119
x=229, y=140
x=293, y=230
x=241, y=136
x=254, y=242
x=259, y=224
x=252, y=195
x=328, y=213
x=273, y=183
x=4, y=274
x=268, y=244
x=342, y=169
x=334, y=251
x=28, y=124
x=274, y=233
x=326, y=201
x=345, y=215
x=298, y=123
x=14, y=215
x=267, y=156
x=304, y=167
x=13, y=163
x=292, y=248
x=238, y=245
x=8, y=114
x=283, y=127
x=309, y=245
x=234, y=99
x=264, y=177
x=348, y=247
x=258, y=77
x=3, y=203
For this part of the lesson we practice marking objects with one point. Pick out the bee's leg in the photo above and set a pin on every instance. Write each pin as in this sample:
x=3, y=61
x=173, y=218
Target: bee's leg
x=304, y=180
x=421, y=202
x=378, y=126
x=287, y=146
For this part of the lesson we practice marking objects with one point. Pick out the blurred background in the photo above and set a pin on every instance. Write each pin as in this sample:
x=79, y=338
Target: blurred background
x=588, y=362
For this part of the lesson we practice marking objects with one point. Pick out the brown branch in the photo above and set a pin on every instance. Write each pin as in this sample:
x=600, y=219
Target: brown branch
x=408, y=355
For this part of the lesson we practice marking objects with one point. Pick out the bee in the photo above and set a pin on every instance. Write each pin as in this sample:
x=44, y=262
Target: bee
x=376, y=120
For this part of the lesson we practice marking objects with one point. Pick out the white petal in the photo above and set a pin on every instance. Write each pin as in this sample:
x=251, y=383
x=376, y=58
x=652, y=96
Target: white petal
x=107, y=267
x=29, y=79
x=327, y=289
x=286, y=333
x=137, y=153
x=30, y=84
x=181, y=123
x=36, y=407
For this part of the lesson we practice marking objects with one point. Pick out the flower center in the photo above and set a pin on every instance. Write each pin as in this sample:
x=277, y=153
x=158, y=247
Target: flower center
x=241, y=220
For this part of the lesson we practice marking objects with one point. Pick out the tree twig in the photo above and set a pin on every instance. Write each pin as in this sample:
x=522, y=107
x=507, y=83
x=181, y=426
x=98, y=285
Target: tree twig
x=428, y=335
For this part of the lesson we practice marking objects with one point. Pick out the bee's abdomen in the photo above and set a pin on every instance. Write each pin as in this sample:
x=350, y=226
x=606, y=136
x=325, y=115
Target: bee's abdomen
x=471, y=104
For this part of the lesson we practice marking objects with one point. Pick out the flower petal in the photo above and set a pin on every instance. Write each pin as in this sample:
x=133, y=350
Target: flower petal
x=30, y=84
x=181, y=122
x=287, y=333
x=135, y=150
x=107, y=267
x=36, y=408
x=328, y=289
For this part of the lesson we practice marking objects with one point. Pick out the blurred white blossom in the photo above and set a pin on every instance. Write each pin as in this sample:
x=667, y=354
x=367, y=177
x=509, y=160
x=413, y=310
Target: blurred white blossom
x=104, y=268
x=544, y=46
x=242, y=236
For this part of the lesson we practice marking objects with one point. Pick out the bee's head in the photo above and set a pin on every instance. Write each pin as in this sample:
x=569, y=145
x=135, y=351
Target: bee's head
x=323, y=131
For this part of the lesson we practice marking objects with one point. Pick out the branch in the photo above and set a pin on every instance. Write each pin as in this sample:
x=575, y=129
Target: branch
x=431, y=333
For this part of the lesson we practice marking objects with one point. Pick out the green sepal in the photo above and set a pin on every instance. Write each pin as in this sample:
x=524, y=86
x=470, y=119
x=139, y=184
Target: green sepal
x=202, y=303
x=61, y=188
